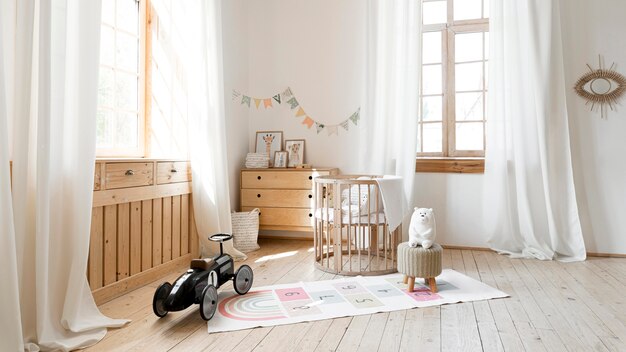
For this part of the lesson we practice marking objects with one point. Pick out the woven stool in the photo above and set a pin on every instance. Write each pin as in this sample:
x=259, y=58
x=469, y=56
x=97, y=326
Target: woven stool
x=419, y=262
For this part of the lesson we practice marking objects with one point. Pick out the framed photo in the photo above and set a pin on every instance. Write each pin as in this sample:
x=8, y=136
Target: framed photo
x=280, y=159
x=269, y=142
x=295, y=148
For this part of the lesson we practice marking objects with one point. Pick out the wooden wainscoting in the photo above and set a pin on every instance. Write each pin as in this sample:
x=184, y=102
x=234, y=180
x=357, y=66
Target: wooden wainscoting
x=139, y=232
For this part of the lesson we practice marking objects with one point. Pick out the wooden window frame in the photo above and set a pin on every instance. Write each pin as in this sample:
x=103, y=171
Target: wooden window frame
x=450, y=159
x=143, y=91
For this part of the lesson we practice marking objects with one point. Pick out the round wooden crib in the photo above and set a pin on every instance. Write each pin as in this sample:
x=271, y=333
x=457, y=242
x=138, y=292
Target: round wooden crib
x=351, y=235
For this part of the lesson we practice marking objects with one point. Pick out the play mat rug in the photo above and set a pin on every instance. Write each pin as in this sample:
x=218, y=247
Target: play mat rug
x=349, y=296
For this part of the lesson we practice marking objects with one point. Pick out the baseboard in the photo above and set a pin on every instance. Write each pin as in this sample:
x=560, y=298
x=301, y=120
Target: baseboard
x=271, y=237
x=606, y=255
x=589, y=254
x=446, y=246
x=119, y=288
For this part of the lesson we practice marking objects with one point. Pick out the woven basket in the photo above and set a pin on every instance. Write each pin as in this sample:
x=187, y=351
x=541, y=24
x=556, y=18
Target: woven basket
x=246, y=230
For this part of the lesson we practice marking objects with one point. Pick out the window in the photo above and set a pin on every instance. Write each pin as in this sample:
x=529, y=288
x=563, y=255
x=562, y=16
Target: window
x=455, y=39
x=121, y=87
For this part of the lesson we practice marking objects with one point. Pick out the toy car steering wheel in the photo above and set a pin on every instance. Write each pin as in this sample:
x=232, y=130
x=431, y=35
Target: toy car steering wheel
x=220, y=237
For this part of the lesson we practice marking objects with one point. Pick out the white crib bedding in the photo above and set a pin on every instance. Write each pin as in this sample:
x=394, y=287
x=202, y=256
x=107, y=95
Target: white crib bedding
x=345, y=219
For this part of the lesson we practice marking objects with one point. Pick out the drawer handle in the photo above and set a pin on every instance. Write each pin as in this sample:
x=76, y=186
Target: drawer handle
x=259, y=213
x=129, y=172
x=173, y=171
x=258, y=177
x=258, y=195
x=310, y=215
x=310, y=196
x=310, y=177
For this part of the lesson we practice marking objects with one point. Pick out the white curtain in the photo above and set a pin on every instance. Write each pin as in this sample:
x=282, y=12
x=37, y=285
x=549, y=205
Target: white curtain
x=48, y=90
x=530, y=201
x=207, y=124
x=389, y=117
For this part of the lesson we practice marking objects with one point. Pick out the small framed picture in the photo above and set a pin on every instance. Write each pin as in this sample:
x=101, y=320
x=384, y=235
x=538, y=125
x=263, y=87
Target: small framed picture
x=269, y=142
x=295, y=148
x=280, y=159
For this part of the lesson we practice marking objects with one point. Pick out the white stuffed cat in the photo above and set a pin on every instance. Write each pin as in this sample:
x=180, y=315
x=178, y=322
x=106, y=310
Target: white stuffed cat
x=422, y=230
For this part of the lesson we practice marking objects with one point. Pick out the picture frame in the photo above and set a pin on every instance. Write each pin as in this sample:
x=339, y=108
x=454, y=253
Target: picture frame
x=281, y=158
x=269, y=142
x=295, y=148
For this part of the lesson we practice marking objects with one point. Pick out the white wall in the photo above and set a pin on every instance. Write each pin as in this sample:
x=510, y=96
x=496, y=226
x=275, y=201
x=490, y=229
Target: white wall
x=235, y=45
x=599, y=146
x=316, y=48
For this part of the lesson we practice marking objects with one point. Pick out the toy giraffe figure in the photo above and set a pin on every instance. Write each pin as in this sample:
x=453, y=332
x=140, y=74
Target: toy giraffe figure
x=268, y=138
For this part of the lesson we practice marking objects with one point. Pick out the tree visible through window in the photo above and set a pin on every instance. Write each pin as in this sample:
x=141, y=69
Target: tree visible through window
x=120, y=120
x=455, y=39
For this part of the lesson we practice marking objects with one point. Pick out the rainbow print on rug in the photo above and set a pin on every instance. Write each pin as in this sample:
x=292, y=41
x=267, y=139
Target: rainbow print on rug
x=349, y=296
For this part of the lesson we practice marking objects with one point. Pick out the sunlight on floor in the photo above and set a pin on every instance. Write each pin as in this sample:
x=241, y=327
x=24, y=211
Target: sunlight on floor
x=275, y=256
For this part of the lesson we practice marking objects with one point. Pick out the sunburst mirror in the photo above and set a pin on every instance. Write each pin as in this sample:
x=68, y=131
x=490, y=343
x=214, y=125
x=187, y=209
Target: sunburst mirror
x=601, y=87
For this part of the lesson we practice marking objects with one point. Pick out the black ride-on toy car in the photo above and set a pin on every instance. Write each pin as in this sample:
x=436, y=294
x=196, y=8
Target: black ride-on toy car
x=199, y=284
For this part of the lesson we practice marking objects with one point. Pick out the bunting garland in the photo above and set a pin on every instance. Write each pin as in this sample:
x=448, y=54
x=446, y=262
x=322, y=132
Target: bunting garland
x=290, y=100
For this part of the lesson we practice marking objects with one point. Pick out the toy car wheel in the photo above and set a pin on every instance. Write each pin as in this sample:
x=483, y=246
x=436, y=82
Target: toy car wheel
x=158, y=301
x=208, y=304
x=243, y=279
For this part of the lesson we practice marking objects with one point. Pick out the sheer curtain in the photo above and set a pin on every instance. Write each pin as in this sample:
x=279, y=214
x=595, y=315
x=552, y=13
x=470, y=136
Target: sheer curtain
x=530, y=200
x=207, y=124
x=389, y=118
x=47, y=127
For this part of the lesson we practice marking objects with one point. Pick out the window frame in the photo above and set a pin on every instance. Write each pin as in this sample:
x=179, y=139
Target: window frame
x=449, y=122
x=143, y=90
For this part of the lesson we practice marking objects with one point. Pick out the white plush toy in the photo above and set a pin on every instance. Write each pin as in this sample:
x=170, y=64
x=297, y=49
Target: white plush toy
x=422, y=230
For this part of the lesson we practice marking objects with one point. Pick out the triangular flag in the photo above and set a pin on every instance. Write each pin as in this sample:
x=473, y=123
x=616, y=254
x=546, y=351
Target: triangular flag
x=332, y=130
x=355, y=117
x=245, y=100
x=277, y=98
x=267, y=103
x=345, y=124
x=319, y=127
x=236, y=94
x=300, y=112
x=308, y=122
x=257, y=102
x=293, y=102
x=287, y=93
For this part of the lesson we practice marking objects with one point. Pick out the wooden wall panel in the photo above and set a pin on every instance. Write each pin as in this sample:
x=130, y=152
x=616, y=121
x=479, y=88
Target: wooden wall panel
x=96, y=248
x=167, y=229
x=135, y=238
x=146, y=235
x=123, y=239
x=110, y=244
x=175, y=227
x=157, y=232
x=184, y=224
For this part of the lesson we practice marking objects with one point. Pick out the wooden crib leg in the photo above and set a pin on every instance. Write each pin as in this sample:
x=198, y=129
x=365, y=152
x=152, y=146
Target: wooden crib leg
x=406, y=279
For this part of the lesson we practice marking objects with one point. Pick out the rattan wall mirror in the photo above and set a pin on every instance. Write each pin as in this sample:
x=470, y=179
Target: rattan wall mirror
x=601, y=87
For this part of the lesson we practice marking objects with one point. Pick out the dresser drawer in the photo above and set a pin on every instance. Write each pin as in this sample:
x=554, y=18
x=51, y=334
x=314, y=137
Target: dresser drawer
x=277, y=198
x=122, y=175
x=284, y=216
x=279, y=179
x=173, y=171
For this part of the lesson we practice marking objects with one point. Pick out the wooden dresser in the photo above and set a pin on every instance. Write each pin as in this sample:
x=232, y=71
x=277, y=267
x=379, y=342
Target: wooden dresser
x=284, y=196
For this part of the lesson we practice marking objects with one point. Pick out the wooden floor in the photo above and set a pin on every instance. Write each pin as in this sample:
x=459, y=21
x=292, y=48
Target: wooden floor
x=553, y=307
